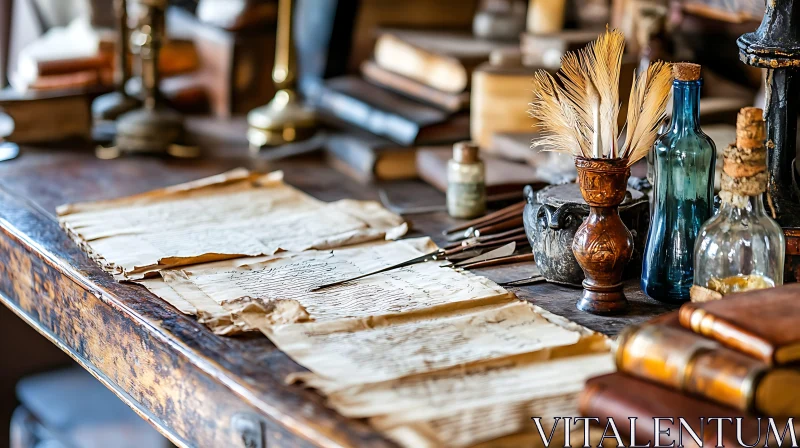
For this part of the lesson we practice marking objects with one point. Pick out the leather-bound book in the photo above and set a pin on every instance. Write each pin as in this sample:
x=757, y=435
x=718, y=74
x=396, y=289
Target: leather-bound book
x=76, y=80
x=48, y=116
x=670, y=355
x=450, y=102
x=763, y=323
x=621, y=397
x=366, y=157
x=371, y=108
x=440, y=59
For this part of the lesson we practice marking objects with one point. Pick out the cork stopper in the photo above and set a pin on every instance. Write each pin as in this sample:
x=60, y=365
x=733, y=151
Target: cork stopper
x=686, y=71
x=750, y=129
x=744, y=167
x=466, y=152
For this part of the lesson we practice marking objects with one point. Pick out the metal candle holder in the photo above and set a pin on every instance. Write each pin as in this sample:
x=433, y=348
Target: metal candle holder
x=111, y=105
x=285, y=118
x=153, y=128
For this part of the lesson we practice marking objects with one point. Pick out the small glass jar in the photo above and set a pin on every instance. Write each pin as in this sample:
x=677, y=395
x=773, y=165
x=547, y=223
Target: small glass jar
x=741, y=248
x=466, y=182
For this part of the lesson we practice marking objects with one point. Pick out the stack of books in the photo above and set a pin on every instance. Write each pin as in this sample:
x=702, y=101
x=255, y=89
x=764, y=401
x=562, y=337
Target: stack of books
x=413, y=92
x=707, y=373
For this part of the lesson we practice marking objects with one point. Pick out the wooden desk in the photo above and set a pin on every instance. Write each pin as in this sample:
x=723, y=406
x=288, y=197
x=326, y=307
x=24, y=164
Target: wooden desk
x=197, y=388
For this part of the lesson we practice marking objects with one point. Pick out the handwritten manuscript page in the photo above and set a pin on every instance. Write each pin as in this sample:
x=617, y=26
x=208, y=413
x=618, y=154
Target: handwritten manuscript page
x=290, y=276
x=227, y=216
x=431, y=356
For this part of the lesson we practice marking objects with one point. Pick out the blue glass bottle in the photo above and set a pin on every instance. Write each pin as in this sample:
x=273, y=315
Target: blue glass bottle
x=683, y=194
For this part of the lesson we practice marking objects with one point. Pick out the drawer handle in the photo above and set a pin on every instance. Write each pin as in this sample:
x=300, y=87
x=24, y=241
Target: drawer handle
x=249, y=430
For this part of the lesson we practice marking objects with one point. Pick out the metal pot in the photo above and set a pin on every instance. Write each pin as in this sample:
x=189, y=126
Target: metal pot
x=553, y=215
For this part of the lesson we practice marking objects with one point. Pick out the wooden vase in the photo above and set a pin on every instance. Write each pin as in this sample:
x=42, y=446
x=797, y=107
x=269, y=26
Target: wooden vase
x=603, y=245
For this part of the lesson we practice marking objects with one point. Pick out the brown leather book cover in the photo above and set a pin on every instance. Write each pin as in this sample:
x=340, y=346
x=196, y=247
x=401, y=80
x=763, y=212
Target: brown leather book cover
x=74, y=80
x=68, y=114
x=762, y=324
x=620, y=397
x=366, y=157
x=664, y=352
x=451, y=102
x=66, y=66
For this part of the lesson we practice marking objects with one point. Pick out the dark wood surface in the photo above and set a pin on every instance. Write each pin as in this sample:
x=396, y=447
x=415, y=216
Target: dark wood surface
x=198, y=388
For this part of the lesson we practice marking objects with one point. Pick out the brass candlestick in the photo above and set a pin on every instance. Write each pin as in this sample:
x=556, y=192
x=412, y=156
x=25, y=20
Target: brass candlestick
x=110, y=106
x=153, y=128
x=285, y=118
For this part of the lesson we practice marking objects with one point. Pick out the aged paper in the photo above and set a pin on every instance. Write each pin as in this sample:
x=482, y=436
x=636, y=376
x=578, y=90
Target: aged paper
x=477, y=425
x=546, y=373
x=290, y=276
x=460, y=410
x=431, y=356
x=227, y=216
x=373, y=349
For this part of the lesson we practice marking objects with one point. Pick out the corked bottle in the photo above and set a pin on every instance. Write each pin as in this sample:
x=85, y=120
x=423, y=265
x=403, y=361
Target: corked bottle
x=683, y=193
x=741, y=248
x=466, y=182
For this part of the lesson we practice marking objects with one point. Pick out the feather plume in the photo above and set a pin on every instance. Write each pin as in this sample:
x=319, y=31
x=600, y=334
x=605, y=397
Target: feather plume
x=574, y=80
x=594, y=102
x=578, y=109
x=561, y=126
x=603, y=60
x=646, y=110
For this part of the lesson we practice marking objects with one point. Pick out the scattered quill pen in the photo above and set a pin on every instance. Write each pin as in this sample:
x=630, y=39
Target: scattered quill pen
x=578, y=108
x=437, y=255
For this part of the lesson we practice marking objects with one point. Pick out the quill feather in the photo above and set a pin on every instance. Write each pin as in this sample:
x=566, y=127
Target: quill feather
x=646, y=110
x=562, y=129
x=602, y=62
x=578, y=109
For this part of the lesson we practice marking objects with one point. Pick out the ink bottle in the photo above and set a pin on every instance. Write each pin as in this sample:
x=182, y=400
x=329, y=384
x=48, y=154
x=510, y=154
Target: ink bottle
x=466, y=182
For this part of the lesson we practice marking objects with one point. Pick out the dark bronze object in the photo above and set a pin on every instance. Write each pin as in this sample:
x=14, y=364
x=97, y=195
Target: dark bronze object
x=775, y=46
x=111, y=105
x=553, y=215
x=153, y=128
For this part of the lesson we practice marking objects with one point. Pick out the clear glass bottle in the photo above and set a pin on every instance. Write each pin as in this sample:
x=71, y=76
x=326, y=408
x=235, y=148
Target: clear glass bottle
x=741, y=248
x=466, y=182
x=683, y=192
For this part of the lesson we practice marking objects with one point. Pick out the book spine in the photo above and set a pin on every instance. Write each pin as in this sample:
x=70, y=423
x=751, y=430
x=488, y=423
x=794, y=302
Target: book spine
x=620, y=397
x=701, y=322
x=689, y=363
x=602, y=398
x=413, y=89
x=365, y=116
x=355, y=155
